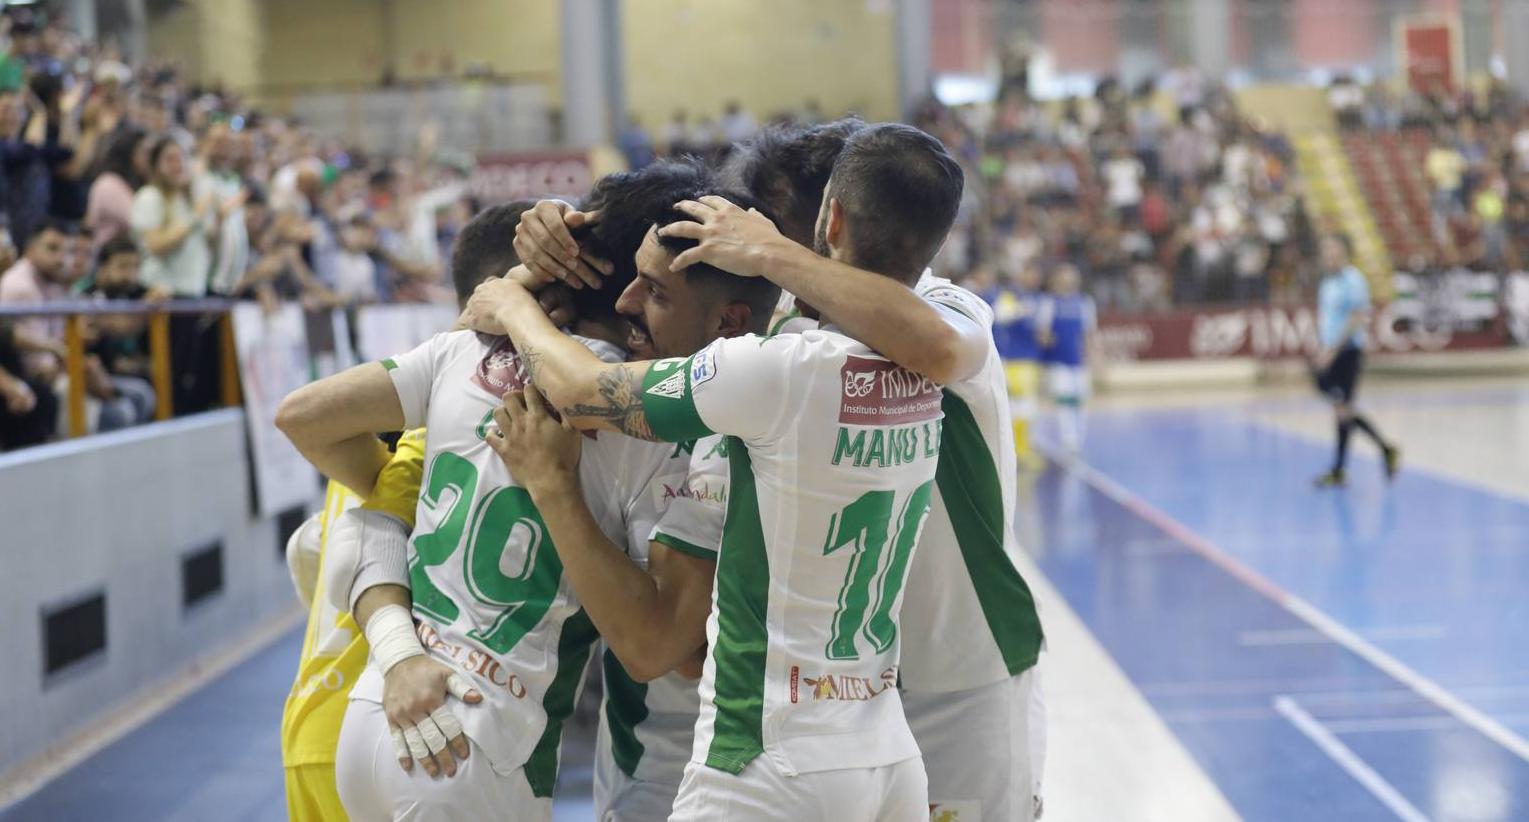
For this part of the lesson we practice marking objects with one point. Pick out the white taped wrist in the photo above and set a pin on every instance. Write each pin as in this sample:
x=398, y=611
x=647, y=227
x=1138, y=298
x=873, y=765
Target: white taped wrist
x=390, y=632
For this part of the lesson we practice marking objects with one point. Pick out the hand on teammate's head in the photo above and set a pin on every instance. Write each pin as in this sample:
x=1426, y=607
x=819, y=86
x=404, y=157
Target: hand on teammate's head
x=729, y=237
x=545, y=244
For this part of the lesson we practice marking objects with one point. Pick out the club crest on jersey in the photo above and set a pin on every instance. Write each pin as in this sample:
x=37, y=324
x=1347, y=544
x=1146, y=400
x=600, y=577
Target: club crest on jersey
x=671, y=387
x=501, y=370
x=879, y=392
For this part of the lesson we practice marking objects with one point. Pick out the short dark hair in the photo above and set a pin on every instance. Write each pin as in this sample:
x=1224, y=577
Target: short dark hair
x=787, y=168
x=117, y=245
x=900, y=190
x=485, y=247
x=64, y=227
x=631, y=203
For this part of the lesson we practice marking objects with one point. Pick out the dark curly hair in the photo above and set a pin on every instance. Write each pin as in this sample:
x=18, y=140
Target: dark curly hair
x=787, y=167
x=632, y=202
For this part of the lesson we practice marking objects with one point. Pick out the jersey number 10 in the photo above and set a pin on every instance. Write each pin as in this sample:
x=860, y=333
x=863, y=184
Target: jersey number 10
x=864, y=525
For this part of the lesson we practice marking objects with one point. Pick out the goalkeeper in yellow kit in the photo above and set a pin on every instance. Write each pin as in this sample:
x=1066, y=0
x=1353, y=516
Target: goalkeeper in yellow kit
x=334, y=650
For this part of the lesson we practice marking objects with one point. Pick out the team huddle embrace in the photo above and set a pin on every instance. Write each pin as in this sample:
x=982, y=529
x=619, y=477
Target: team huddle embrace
x=784, y=523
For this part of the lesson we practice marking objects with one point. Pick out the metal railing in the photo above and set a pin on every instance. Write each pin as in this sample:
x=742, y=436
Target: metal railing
x=160, y=368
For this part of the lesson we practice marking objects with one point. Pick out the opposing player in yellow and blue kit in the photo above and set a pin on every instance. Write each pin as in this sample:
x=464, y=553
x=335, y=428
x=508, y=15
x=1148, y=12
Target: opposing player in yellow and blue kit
x=334, y=649
x=1016, y=304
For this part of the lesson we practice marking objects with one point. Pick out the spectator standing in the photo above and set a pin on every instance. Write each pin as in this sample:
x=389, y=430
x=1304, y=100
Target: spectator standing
x=173, y=231
x=177, y=259
x=1446, y=168
x=1347, y=101
x=220, y=182
x=25, y=157
x=109, y=204
x=355, y=272
x=1123, y=175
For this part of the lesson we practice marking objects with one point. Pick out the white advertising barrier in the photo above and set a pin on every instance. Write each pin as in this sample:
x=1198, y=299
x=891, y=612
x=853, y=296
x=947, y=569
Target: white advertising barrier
x=385, y=330
x=273, y=362
x=1516, y=301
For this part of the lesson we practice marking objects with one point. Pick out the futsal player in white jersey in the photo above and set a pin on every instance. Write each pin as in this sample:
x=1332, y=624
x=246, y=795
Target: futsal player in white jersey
x=650, y=602
x=651, y=605
x=647, y=727
x=832, y=456
x=972, y=635
x=520, y=637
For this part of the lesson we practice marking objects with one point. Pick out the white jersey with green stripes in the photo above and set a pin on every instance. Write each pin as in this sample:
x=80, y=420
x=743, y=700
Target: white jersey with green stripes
x=487, y=583
x=969, y=618
x=832, y=452
x=651, y=726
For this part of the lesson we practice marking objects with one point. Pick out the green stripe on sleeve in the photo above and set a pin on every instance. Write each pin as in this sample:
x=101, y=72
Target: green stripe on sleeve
x=743, y=589
x=973, y=496
x=389, y=364
x=572, y=657
x=784, y=318
x=668, y=404
x=626, y=706
x=686, y=547
x=953, y=305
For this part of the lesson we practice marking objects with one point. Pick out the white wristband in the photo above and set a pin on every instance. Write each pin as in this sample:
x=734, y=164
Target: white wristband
x=390, y=632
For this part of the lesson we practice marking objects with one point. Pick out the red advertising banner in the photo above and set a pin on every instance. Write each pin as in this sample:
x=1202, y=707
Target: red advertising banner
x=1428, y=47
x=500, y=178
x=1273, y=332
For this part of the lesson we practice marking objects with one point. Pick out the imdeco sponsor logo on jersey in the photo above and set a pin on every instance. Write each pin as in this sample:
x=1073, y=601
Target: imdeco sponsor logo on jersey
x=841, y=687
x=877, y=392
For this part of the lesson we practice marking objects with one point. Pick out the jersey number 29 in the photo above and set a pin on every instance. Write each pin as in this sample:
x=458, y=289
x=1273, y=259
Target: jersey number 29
x=505, y=516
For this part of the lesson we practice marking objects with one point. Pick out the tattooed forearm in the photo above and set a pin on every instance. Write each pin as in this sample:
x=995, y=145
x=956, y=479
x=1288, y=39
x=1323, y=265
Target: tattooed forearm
x=531, y=358
x=621, y=389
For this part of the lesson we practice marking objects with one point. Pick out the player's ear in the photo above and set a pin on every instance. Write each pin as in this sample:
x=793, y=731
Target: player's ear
x=736, y=320
x=833, y=232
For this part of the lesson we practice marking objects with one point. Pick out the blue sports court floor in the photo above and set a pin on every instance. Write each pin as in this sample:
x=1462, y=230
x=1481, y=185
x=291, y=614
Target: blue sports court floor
x=1347, y=655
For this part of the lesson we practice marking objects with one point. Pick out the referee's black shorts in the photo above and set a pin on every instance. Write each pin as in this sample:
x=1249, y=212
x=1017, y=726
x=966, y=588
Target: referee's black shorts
x=1340, y=380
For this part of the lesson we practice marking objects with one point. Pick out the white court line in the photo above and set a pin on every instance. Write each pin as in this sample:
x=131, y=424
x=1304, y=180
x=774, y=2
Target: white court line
x=1311, y=636
x=28, y=777
x=1396, y=724
x=1393, y=667
x=1348, y=760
